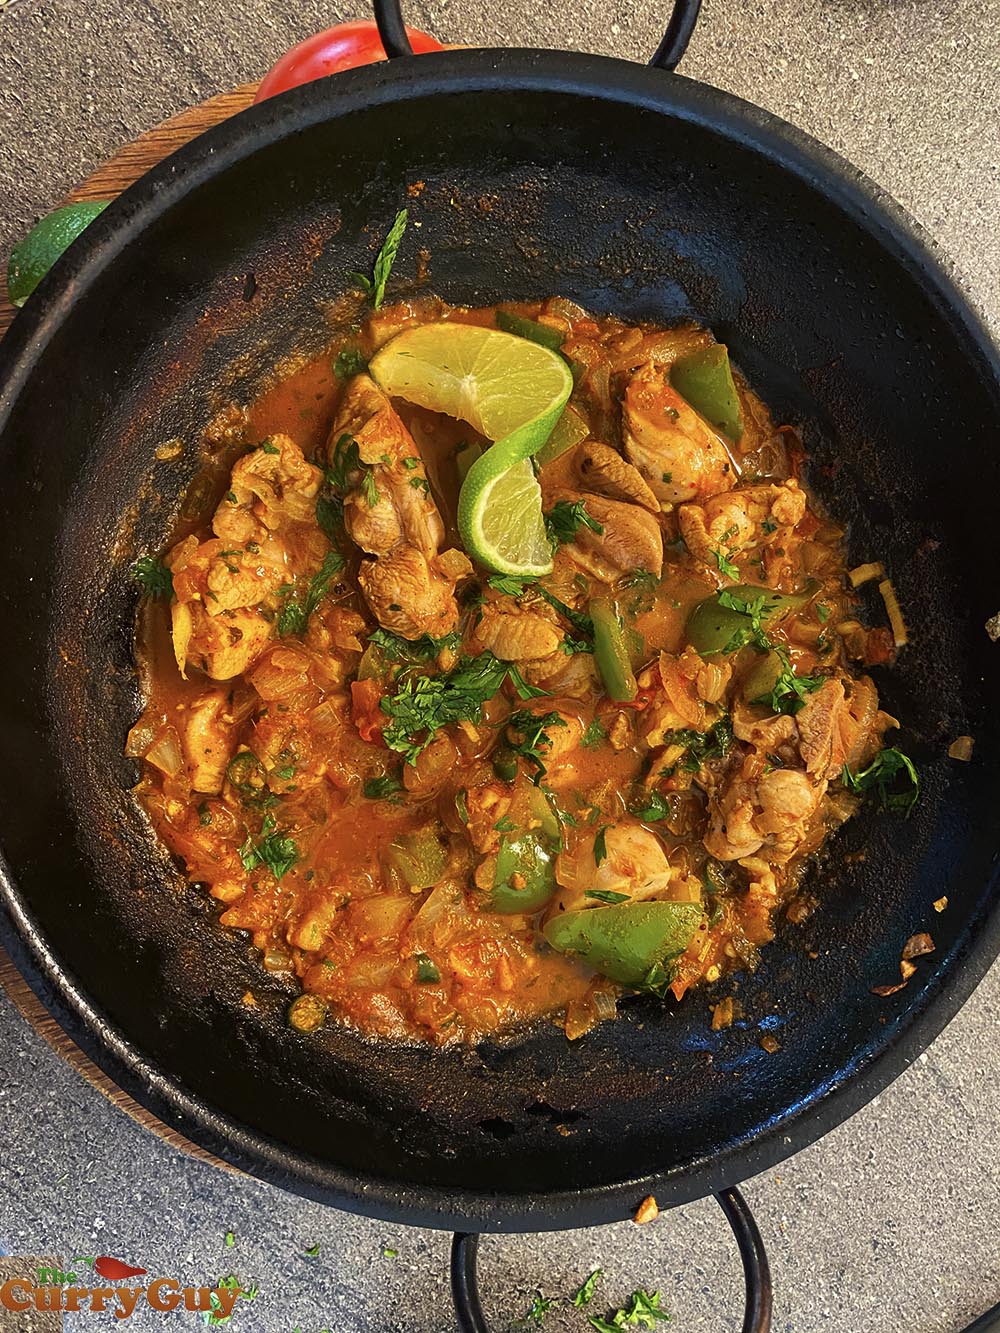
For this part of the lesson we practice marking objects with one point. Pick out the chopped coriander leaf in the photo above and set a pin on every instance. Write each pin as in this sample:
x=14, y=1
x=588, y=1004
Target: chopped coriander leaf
x=427, y=972
x=389, y=1253
x=509, y=584
x=891, y=776
x=823, y=612
x=231, y=497
x=410, y=463
x=755, y=610
x=600, y=844
x=369, y=489
x=723, y=558
x=528, y=735
x=398, y=649
x=267, y=447
x=350, y=362
x=642, y=1311
x=581, y=623
x=230, y=1240
x=275, y=850
x=788, y=694
x=565, y=518
x=540, y=1306
x=421, y=484
x=769, y=525
x=505, y=824
x=330, y=516
x=294, y=615
x=377, y=789
x=584, y=1294
x=700, y=746
x=312, y=1251
x=607, y=896
x=640, y=578
x=652, y=806
x=153, y=577
x=570, y=646
x=375, y=285
x=424, y=704
x=345, y=461
x=667, y=478
x=594, y=735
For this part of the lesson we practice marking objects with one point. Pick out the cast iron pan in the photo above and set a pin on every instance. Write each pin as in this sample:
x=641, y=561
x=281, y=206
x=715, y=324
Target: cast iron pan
x=629, y=190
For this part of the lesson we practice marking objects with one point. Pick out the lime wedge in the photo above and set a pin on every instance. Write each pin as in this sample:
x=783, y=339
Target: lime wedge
x=47, y=241
x=500, y=516
x=508, y=389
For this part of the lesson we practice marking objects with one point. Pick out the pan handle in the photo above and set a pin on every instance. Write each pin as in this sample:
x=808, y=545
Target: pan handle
x=683, y=17
x=757, y=1274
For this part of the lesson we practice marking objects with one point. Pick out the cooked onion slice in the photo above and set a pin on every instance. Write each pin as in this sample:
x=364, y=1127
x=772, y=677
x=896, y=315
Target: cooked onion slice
x=899, y=636
x=865, y=573
x=961, y=748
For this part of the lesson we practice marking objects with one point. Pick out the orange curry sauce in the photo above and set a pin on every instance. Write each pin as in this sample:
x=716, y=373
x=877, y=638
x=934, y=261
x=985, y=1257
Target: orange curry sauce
x=370, y=878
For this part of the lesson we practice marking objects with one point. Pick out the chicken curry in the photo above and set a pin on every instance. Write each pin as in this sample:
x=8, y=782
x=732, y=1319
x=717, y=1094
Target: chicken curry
x=446, y=801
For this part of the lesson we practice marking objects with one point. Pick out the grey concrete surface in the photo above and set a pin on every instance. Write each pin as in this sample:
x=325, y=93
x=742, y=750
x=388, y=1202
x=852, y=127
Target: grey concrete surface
x=889, y=1222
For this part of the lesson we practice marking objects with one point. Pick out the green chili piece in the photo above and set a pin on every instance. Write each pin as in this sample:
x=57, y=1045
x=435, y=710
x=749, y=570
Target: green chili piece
x=705, y=380
x=527, y=856
x=611, y=650
x=628, y=941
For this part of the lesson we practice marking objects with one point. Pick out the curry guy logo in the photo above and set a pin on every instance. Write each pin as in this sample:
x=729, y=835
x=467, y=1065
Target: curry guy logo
x=51, y=1291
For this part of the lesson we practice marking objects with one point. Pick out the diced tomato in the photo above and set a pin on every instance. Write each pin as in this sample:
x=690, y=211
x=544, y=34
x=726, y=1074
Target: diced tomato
x=366, y=714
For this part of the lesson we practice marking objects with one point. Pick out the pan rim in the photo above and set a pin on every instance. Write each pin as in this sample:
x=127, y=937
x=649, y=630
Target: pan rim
x=510, y=71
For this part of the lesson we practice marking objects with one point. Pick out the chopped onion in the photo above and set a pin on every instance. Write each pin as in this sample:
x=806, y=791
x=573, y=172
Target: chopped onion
x=888, y=592
x=940, y=903
x=165, y=752
x=961, y=748
x=140, y=738
x=865, y=573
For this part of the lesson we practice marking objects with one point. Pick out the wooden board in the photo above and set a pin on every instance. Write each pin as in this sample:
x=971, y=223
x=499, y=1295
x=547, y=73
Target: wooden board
x=108, y=181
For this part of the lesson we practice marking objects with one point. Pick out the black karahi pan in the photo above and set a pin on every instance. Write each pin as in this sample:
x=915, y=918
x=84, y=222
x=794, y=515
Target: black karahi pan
x=627, y=189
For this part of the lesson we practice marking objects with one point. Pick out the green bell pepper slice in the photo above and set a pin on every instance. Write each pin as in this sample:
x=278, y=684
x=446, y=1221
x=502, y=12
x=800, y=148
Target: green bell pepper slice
x=524, y=854
x=713, y=627
x=705, y=380
x=611, y=650
x=628, y=941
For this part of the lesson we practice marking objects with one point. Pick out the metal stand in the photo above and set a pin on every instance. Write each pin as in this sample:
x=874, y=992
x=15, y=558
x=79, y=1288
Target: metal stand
x=757, y=1274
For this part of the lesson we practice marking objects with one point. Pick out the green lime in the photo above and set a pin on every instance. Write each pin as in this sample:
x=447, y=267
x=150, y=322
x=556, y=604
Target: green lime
x=47, y=241
x=508, y=389
x=500, y=516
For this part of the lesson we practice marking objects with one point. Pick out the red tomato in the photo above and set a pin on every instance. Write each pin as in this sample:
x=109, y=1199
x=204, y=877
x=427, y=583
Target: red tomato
x=343, y=47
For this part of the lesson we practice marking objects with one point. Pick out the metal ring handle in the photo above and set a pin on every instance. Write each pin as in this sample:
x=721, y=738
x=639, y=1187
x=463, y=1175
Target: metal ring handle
x=756, y=1272
x=683, y=17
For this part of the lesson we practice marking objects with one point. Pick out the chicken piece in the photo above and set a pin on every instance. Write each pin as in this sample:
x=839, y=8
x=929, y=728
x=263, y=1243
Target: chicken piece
x=603, y=471
x=635, y=864
x=270, y=487
x=207, y=736
x=404, y=509
x=223, y=646
x=733, y=522
x=289, y=751
x=573, y=675
x=762, y=729
x=408, y=595
x=517, y=634
x=774, y=811
x=680, y=706
x=630, y=538
x=675, y=449
x=819, y=723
